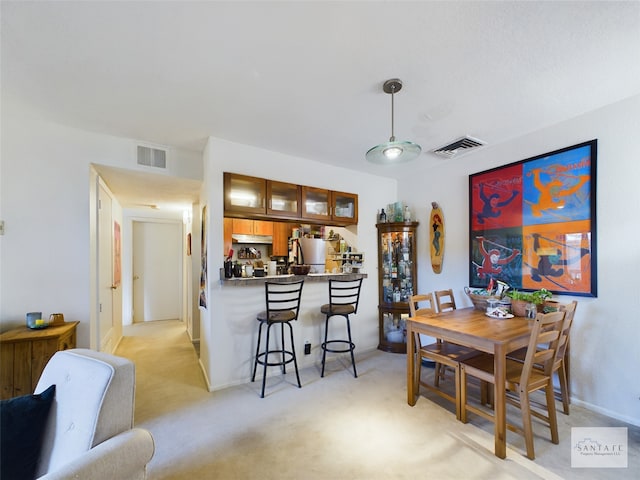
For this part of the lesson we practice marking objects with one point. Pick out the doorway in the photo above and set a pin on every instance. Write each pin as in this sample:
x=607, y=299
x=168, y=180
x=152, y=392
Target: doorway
x=157, y=271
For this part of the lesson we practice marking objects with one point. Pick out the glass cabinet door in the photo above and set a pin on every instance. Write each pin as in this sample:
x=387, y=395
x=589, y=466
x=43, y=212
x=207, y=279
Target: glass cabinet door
x=283, y=199
x=397, y=281
x=244, y=194
x=315, y=203
x=397, y=266
x=344, y=206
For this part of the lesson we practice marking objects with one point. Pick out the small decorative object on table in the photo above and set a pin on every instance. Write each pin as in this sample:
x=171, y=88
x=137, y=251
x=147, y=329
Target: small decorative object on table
x=480, y=297
x=56, y=319
x=35, y=320
x=520, y=301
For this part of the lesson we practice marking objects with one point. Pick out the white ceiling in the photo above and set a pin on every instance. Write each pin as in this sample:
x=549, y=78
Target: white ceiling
x=305, y=78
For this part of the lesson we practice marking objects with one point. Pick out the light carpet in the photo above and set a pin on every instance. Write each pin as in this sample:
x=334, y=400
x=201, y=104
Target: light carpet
x=336, y=427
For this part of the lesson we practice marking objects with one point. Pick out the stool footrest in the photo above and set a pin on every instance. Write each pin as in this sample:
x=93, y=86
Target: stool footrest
x=263, y=358
x=350, y=348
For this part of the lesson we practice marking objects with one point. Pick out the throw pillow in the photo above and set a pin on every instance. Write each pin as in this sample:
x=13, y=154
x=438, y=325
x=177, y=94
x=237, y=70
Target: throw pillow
x=22, y=423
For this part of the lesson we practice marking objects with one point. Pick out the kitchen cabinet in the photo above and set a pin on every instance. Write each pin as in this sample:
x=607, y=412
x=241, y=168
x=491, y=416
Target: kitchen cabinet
x=25, y=352
x=283, y=199
x=255, y=198
x=244, y=194
x=243, y=226
x=228, y=230
x=344, y=207
x=281, y=234
x=333, y=208
x=316, y=203
x=397, y=281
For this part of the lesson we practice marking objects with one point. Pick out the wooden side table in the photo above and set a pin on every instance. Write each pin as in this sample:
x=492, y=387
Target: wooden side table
x=25, y=352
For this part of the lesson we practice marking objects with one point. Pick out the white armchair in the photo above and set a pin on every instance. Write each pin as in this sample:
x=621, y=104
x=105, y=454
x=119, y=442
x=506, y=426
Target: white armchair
x=90, y=432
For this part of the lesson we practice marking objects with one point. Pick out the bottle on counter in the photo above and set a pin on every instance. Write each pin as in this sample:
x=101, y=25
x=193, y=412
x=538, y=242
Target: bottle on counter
x=407, y=213
x=383, y=217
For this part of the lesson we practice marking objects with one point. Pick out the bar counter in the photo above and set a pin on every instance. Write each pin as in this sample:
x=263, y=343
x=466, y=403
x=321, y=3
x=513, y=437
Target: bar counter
x=234, y=303
x=311, y=277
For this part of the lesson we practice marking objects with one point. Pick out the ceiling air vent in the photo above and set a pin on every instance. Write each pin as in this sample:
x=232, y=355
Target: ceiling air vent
x=460, y=146
x=152, y=157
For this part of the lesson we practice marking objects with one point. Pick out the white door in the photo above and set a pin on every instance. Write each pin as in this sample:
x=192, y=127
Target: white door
x=105, y=272
x=157, y=271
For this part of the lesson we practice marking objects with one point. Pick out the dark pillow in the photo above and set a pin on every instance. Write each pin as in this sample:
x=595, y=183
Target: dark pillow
x=22, y=424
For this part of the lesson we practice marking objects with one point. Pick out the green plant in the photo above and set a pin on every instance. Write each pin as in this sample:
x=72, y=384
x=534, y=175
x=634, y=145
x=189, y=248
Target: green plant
x=538, y=297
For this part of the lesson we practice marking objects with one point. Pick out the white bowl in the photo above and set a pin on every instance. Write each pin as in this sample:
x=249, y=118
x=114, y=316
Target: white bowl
x=395, y=336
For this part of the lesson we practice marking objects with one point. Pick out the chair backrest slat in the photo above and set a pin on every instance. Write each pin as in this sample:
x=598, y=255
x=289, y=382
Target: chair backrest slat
x=569, y=312
x=543, y=344
x=445, y=300
x=281, y=297
x=345, y=292
x=422, y=304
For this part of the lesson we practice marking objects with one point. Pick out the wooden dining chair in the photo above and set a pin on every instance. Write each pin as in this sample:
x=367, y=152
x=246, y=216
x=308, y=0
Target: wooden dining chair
x=522, y=378
x=560, y=366
x=445, y=300
x=441, y=352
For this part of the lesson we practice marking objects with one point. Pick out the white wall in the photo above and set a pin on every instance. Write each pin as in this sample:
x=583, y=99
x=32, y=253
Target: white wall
x=223, y=357
x=46, y=196
x=604, y=351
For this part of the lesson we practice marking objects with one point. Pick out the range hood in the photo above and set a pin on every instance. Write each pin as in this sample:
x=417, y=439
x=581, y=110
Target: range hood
x=259, y=239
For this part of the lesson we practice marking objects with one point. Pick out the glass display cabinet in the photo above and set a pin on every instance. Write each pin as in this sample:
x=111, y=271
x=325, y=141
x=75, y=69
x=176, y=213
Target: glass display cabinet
x=397, y=281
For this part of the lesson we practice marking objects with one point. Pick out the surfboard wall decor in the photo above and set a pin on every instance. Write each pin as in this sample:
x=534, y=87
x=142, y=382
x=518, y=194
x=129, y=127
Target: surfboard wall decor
x=436, y=237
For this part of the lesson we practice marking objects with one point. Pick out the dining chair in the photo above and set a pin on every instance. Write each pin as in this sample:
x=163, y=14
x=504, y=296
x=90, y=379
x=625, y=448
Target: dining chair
x=282, y=302
x=445, y=300
x=560, y=366
x=344, y=296
x=441, y=352
x=522, y=378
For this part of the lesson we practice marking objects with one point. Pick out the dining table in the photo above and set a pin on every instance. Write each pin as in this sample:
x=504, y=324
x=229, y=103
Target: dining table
x=472, y=328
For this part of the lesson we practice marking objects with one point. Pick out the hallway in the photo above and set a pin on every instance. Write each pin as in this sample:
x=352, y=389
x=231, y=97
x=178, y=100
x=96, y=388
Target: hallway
x=167, y=369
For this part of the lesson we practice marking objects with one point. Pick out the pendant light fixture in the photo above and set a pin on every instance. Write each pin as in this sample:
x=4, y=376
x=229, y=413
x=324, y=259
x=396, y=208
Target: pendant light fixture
x=392, y=151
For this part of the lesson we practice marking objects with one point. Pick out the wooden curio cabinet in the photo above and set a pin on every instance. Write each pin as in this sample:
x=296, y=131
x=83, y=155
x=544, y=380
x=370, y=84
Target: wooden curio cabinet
x=397, y=281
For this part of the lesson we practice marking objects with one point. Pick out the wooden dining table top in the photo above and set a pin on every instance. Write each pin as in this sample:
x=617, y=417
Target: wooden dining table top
x=472, y=328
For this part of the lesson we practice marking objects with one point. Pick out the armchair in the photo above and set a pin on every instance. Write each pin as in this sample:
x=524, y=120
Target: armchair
x=90, y=432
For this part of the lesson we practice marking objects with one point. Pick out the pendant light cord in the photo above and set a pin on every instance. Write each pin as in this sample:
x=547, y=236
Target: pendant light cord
x=393, y=136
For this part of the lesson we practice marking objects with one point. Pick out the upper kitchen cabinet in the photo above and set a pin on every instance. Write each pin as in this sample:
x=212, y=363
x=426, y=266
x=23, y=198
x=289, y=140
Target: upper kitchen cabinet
x=251, y=227
x=333, y=208
x=244, y=194
x=259, y=198
x=283, y=199
x=315, y=203
x=344, y=207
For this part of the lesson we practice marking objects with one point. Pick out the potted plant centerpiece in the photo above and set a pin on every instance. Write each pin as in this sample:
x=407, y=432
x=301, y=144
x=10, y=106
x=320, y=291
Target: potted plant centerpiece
x=520, y=300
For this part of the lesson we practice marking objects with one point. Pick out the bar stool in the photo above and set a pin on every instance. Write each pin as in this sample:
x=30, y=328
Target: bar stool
x=283, y=305
x=343, y=301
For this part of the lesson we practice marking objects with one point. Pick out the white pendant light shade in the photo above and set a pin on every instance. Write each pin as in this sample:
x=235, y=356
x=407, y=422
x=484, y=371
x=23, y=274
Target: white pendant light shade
x=393, y=152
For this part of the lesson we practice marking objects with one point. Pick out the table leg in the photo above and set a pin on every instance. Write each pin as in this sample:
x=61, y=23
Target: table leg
x=500, y=413
x=411, y=346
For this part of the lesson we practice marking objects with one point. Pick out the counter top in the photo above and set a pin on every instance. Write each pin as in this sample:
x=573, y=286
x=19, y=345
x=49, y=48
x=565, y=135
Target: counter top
x=311, y=277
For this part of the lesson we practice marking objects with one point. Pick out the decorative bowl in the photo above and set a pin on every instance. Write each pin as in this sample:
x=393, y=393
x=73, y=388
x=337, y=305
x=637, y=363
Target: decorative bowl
x=300, y=269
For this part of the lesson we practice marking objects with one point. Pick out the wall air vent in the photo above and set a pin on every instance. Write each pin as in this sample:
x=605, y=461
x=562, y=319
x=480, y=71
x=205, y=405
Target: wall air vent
x=152, y=157
x=458, y=147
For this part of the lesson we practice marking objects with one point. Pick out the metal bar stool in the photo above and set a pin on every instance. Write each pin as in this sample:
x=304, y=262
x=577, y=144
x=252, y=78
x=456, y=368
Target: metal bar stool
x=343, y=301
x=283, y=305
